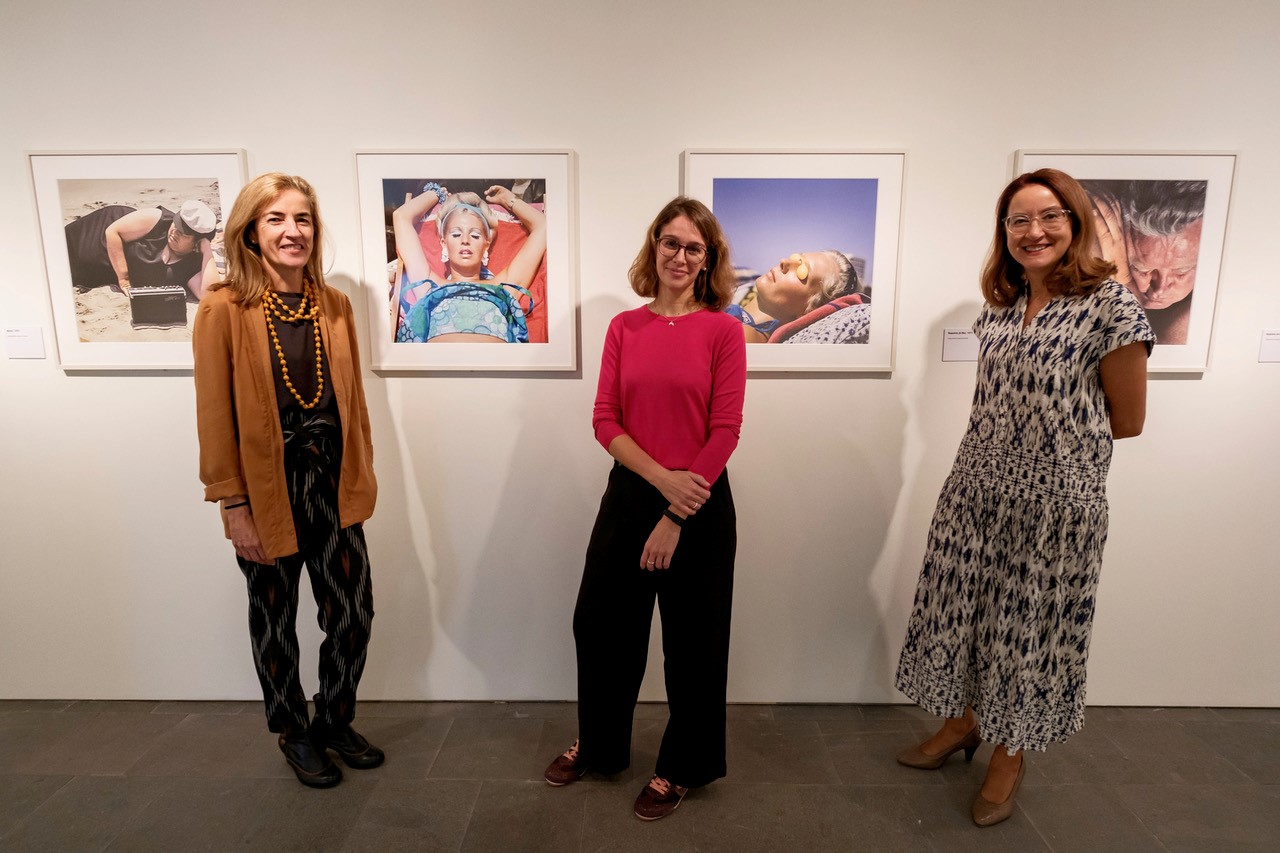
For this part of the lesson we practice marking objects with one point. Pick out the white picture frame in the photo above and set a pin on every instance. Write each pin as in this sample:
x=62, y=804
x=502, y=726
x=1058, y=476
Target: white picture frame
x=98, y=327
x=850, y=201
x=1164, y=178
x=549, y=178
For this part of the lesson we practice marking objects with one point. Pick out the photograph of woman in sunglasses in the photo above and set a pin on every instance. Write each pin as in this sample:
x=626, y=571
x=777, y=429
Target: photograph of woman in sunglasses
x=805, y=295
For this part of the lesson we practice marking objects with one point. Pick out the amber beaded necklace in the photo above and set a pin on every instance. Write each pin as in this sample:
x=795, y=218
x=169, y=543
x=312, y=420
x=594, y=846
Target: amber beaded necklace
x=308, y=309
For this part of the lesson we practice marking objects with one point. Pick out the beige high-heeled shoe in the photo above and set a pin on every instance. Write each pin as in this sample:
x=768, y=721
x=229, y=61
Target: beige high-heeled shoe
x=987, y=813
x=915, y=757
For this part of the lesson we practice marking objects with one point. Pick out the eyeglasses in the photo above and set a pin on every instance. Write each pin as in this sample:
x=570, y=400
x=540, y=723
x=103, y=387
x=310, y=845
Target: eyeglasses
x=693, y=252
x=1053, y=219
x=795, y=261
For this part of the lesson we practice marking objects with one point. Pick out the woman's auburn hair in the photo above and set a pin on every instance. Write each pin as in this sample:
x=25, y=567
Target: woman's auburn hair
x=246, y=270
x=714, y=286
x=1079, y=272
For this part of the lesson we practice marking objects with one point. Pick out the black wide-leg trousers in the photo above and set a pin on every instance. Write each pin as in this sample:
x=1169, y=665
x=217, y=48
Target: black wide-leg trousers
x=337, y=563
x=611, y=630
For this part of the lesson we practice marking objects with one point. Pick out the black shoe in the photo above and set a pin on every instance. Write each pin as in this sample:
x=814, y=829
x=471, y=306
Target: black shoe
x=310, y=764
x=355, y=751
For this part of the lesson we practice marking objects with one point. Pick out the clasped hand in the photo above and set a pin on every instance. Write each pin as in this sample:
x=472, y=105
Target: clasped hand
x=685, y=491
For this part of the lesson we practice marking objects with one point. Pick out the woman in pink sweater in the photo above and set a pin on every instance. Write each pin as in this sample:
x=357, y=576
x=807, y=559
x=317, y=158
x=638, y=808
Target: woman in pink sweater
x=668, y=409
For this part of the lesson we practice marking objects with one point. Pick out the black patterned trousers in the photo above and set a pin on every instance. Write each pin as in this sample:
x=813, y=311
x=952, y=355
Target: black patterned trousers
x=611, y=630
x=337, y=563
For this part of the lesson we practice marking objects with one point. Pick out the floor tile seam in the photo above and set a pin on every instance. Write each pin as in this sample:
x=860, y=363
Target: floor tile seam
x=159, y=713
x=444, y=738
x=45, y=748
x=156, y=742
x=103, y=706
x=31, y=813
x=1114, y=798
x=369, y=802
x=1219, y=754
x=1044, y=839
x=1272, y=713
x=136, y=817
x=840, y=784
x=1150, y=829
x=1126, y=754
x=582, y=825
x=471, y=816
x=517, y=779
x=828, y=737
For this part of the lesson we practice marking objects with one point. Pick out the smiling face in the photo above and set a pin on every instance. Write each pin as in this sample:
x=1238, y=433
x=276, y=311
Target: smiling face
x=1163, y=269
x=1037, y=250
x=285, y=232
x=676, y=274
x=784, y=295
x=466, y=242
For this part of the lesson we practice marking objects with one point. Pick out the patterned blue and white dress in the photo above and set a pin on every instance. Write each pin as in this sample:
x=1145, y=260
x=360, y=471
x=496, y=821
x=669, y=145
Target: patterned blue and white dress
x=1004, y=606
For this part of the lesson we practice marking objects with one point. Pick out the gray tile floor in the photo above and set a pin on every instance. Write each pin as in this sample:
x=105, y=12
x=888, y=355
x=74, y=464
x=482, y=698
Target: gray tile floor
x=179, y=776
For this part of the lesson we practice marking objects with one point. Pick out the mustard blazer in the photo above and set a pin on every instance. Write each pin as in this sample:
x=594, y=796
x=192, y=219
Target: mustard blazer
x=238, y=421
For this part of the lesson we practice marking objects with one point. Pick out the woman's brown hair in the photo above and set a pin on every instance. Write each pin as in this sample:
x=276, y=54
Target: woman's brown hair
x=1079, y=271
x=246, y=271
x=715, y=282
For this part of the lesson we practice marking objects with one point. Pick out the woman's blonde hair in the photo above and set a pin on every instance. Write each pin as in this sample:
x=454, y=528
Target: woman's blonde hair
x=466, y=202
x=246, y=270
x=715, y=283
x=844, y=282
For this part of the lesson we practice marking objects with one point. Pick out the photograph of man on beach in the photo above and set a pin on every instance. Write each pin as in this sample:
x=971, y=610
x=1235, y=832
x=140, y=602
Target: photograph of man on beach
x=144, y=239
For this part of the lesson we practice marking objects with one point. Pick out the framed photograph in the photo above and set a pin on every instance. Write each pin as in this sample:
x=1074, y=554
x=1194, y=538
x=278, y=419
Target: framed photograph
x=466, y=247
x=814, y=240
x=131, y=240
x=1162, y=219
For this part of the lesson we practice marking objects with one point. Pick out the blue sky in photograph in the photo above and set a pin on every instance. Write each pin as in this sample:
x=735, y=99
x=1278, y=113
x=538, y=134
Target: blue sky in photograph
x=766, y=219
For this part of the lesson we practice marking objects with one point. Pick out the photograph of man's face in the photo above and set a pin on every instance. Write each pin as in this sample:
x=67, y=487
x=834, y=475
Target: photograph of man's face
x=1150, y=229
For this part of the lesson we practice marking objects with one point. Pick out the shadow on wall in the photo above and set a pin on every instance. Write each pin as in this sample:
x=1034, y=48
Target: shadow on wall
x=483, y=518
x=941, y=402
x=401, y=641
x=513, y=617
x=816, y=478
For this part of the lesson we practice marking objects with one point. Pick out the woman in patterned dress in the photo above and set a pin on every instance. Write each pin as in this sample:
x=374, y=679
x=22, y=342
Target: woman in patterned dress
x=999, y=632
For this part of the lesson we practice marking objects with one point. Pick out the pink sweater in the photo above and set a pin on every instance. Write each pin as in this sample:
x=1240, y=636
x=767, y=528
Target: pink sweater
x=677, y=390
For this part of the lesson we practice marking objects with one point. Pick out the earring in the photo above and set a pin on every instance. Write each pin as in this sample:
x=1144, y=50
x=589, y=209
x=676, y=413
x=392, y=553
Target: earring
x=444, y=255
x=484, y=261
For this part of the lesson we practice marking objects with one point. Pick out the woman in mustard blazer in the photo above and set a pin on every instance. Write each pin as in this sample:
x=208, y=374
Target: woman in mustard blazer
x=285, y=447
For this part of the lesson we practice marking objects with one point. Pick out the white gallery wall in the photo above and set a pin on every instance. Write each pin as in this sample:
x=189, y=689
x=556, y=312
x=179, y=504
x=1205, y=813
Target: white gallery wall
x=115, y=581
